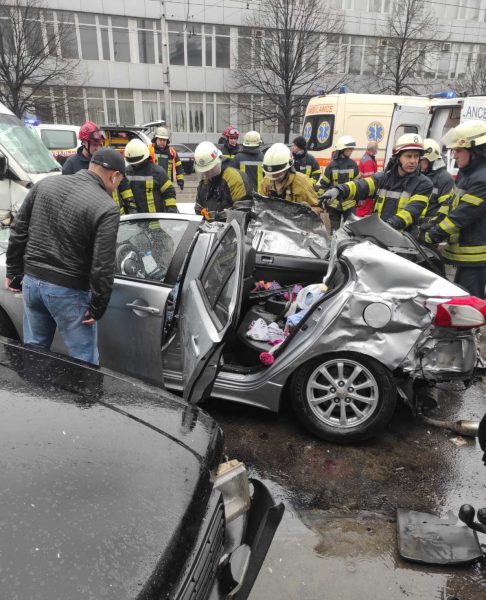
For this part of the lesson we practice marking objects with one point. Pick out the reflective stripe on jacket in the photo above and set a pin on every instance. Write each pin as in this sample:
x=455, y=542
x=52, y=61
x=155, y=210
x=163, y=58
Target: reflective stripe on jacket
x=168, y=159
x=249, y=160
x=295, y=188
x=340, y=170
x=405, y=197
x=150, y=190
x=443, y=184
x=465, y=223
x=306, y=164
x=220, y=192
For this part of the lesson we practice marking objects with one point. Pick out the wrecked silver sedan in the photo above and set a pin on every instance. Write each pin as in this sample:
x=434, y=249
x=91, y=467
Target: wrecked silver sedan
x=349, y=328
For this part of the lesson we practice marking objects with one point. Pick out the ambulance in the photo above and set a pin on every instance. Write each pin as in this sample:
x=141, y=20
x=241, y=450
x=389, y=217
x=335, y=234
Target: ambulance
x=434, y=120
x=24, y=160
x=366, y=117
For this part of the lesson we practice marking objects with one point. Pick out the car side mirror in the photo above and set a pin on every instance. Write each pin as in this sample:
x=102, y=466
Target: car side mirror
x=3, y=166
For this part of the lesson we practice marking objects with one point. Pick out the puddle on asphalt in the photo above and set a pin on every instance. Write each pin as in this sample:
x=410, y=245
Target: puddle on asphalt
x=326, y=555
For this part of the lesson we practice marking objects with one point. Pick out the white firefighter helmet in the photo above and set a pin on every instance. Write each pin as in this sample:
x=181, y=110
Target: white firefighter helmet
x=136, y=152
x=206, y=156
x=252, y=139
x=344, y=142
x=278, y=158
x=409, y=141
x=162, y=133
x=466, y=135
x=431, y=150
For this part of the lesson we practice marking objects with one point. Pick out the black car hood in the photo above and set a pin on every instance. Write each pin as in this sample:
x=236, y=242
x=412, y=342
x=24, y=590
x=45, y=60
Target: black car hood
x=93, y=495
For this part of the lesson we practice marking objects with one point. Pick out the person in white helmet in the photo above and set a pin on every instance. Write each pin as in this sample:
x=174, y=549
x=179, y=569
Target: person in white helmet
x=221, y=184
x=400, y=193
x=147, y=189
x=249, y=159
x=281, y=179
x=433, y=166
x=464, y=226
x=166, y=156
x=341, y=169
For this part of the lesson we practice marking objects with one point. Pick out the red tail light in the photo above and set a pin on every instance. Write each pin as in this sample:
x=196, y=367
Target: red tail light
x=461, y=313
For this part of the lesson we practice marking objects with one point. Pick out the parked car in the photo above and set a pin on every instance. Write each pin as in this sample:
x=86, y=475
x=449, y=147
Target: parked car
x=61, y=140
x=114, y=489
x=380, y=330
x=186, y=156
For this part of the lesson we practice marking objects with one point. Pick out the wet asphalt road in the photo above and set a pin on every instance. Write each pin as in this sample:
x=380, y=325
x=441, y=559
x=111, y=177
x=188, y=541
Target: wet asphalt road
x=338, y=536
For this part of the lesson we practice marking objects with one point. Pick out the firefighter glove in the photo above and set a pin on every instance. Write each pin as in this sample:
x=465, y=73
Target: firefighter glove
x=180, y=183
x=396, y=222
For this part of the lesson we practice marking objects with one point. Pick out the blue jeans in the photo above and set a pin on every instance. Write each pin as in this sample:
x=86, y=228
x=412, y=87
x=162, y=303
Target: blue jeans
x=47, y=306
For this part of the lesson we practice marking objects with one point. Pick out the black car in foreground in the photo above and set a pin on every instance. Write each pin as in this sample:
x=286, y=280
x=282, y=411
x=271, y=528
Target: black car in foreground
x=113, y=489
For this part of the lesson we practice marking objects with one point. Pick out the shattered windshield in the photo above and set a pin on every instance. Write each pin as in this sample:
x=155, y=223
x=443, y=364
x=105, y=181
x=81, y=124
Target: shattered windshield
x=25, y=146
x=291, y=228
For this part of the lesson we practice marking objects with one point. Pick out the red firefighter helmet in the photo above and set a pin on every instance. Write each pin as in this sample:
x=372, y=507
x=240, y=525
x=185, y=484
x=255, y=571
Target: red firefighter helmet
x=89, y=131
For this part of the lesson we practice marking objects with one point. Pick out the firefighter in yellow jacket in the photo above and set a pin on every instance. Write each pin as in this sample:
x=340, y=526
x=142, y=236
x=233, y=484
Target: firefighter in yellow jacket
x=166, y=156
x=146, y=188
x=282, y=181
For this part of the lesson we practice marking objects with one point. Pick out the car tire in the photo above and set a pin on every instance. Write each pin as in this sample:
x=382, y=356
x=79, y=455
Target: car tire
x=319, y=394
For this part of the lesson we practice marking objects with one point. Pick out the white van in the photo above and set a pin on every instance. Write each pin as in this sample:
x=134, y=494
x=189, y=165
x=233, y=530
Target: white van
x=434, y=120
x=366, y=117
x=61, y=140
x=24, y=160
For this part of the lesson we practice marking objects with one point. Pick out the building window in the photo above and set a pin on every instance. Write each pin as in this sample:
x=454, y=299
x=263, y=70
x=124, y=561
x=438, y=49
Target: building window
x=95, y=104
x=222, y=46
x=176, y=43
x=178, y=111
x=126, y=107
x=67, y=35
x=75, y=106
x=121, y=47
x=153, y=108
x=88, y=36
x=146, y=41
x=196, y=113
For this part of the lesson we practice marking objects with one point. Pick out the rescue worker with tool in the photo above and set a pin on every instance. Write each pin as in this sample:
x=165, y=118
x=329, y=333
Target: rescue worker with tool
x=146, y=189
x=400, y=193
x=166, y=156
x=340, y=170
x=282, y=181
x=464, y=227
x=221, y=184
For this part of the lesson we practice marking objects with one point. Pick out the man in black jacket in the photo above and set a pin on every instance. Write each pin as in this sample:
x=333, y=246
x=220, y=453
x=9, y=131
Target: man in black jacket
x=464, y=225
x=62, y=251
x=303, y=161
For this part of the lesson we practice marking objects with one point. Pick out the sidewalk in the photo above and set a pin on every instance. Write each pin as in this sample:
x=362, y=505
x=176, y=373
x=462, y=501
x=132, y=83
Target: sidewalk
x=188, y=194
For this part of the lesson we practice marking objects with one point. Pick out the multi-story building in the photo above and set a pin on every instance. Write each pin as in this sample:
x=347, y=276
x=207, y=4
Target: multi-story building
x=157, y=59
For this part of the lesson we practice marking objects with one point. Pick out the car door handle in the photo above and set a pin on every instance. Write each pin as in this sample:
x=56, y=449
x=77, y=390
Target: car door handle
x=147, y=309
x=195, y=344
x=268, y=260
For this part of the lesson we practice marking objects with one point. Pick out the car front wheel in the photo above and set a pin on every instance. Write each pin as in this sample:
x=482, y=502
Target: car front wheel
x=343, y=398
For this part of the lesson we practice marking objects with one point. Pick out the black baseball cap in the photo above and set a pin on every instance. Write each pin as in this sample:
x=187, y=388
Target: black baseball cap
x=109, y=159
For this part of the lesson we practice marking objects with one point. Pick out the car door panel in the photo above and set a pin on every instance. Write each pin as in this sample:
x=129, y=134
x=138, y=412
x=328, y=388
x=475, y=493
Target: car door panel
x=209, y=312
x=130, y=332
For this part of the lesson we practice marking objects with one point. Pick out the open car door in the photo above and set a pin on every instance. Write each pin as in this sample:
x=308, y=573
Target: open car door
x=209, y=313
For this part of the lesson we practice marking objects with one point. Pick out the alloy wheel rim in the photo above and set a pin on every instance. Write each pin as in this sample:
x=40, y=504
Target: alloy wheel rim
x=342, y=393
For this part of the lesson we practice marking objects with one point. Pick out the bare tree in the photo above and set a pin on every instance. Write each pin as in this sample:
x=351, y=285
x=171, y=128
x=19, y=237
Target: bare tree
x=33, y=53
x=288, y=52
x=407, y=48
x=474, y=81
